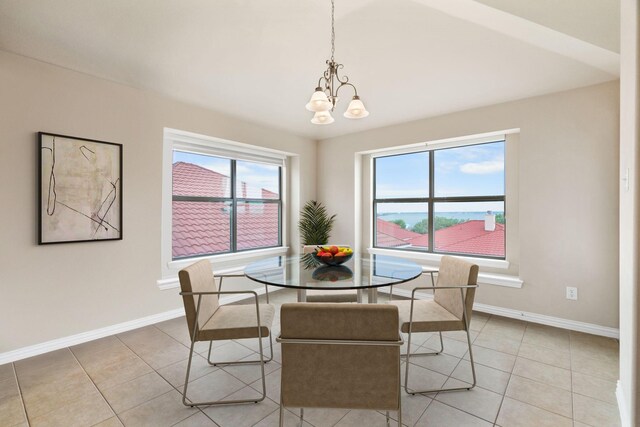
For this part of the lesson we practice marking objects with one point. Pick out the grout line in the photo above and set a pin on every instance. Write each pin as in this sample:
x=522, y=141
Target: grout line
x=95, y=386
x=24, y=407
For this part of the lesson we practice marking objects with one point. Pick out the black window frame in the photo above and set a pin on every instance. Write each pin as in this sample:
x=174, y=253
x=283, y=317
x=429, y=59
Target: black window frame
x=432, y=200
x=233, y=200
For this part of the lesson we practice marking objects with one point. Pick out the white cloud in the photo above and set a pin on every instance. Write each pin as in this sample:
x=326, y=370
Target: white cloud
x=483, y=168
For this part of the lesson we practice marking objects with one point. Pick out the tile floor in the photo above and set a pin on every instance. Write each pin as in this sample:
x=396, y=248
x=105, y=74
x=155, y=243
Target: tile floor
x=528, y=375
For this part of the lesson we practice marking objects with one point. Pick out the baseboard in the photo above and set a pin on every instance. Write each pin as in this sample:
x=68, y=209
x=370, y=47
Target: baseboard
x=625, y=421
x=542, y=319
x=57, y=344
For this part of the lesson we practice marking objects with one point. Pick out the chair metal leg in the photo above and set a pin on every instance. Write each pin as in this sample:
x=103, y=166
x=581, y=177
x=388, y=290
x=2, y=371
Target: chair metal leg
x=241, y=362
x=435, y=353
x=301, y=417
x=281, y=422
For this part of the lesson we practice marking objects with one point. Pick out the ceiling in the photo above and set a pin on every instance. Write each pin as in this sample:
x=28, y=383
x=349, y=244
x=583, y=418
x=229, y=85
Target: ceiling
x=260, y=60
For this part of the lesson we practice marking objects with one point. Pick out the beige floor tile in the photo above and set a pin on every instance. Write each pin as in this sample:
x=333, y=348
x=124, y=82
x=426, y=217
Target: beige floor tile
x=461, y=335
x=248, y=415
x=452, y=347
x=290, y=420
x=54, y=360
x=441, y=415
x=250, y=372
x=273, y=385
x=543, y=373
x=197, y=420
x=441, y=363
x=423, y=379
x=59, y=391
x=11, y=410
x=478, y=321
x=165, y=410
x=214, y=386
x=6, y=371
x=507, y=328
x=545, y=336
x=595, y=412
x=413, y=406
x=117, y=367
x=176, y=373
x=130, y=394
x=497, y=342
x=85, y=411
x=493, y=359
x=320, y=417
x=543, y=396
x=487, y=378
x=594, y=367
x=154, y=346
x=518, y=414
x=595, y=347
x=594, y=387
x=359, y=418
x=477, y=401
x=96, y=348
x=111, y=422
x=228, y=352
x=561, y=359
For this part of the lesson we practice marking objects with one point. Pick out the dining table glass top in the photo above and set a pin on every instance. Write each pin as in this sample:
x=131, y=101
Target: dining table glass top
x=360, y=272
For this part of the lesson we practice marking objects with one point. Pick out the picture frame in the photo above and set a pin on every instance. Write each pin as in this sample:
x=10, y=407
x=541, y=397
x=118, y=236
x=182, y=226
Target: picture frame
x=79, y=189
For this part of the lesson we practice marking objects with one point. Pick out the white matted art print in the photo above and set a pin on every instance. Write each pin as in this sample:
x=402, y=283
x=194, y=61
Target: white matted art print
x=80, y=183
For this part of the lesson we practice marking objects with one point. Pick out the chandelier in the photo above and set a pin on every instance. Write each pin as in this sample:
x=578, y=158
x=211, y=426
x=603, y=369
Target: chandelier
x=325, y=97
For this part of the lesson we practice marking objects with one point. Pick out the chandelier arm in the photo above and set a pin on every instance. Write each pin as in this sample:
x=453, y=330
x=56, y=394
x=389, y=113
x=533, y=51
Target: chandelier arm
x=355, y=91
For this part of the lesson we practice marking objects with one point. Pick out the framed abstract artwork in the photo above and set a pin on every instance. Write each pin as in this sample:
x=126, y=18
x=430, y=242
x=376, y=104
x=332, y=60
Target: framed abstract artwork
x=80, y=189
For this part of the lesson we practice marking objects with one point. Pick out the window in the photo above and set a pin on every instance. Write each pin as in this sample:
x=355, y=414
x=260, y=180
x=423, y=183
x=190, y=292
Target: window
x=222, y=205
x=445, y=201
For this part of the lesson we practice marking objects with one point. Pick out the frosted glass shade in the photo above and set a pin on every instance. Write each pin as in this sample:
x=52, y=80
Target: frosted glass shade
x=319, y=101
x=356, y=109
x=322, y=118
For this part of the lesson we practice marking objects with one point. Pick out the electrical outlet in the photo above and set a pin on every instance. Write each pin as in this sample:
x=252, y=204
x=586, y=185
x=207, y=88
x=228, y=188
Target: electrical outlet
x=572, y=293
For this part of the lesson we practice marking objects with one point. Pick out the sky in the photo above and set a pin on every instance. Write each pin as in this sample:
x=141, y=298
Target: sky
x=256, y=175
x=474, y=170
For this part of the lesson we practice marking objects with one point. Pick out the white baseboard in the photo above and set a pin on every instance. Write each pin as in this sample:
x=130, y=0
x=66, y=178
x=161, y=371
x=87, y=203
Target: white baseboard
x=625, y=421
x=542, y=319
x=57, y=344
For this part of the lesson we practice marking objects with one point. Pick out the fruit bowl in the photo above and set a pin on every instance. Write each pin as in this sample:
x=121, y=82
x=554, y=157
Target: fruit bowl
x=332, y=255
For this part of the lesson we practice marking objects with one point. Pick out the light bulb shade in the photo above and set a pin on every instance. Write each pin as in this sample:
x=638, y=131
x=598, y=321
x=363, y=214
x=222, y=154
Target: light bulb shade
x=322, y=118
x=356, y=109
x=319, y=101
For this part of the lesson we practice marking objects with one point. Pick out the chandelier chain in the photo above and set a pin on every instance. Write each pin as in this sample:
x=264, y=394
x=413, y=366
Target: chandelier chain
x=333, y=31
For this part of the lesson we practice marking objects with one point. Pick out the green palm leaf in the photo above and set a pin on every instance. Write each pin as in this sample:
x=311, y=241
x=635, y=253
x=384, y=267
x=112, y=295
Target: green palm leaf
x=315, y=224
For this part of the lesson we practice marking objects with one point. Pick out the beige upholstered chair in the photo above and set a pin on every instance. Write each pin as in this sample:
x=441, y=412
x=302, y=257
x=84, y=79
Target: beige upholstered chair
x=449, y=310
x=209, y=321
x=340, y=356
x=337, y=295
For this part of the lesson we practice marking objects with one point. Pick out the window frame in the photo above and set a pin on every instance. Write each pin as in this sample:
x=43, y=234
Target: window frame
x=233, y=200
x=432, y=200
x=204, y=144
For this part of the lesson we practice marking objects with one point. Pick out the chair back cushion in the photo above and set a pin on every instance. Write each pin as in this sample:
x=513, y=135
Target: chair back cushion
x=198, y=277
x=456, y=272
x=340, y=375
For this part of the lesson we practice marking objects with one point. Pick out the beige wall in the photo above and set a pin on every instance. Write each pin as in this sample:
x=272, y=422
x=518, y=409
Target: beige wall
x=567, y=188
x=629, y=213
x=54, y=291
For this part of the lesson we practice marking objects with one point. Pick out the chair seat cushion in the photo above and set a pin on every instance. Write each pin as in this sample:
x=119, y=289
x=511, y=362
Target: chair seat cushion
x=237, y=322
x=428, y=316
x=338, y=295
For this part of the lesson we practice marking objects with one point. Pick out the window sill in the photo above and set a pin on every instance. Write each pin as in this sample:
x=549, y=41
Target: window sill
x=217, y=261
x=482, y=262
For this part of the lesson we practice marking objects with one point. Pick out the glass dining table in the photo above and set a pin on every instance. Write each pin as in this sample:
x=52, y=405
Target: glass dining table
x=362, y=271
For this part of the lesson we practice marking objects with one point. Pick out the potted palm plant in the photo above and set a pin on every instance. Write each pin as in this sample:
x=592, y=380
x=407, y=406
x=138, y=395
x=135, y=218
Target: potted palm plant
x=315, y=224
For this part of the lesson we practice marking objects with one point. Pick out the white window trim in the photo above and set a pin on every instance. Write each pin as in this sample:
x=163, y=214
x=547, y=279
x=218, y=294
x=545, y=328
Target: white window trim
x=500, y=280
x=182, y=140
